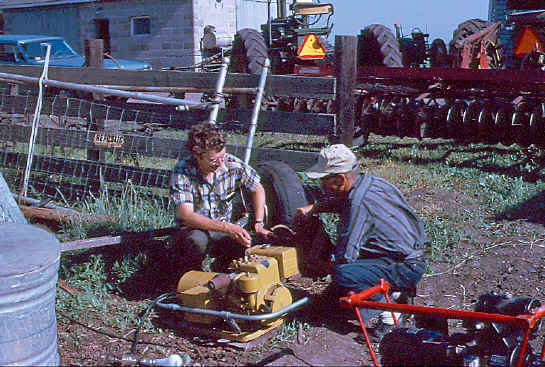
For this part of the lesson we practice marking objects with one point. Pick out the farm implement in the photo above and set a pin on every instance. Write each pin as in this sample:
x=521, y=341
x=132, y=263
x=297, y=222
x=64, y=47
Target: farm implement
x=498, y=332
x=469, y=105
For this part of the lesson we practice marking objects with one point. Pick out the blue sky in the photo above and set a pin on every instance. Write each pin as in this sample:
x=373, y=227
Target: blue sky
x=439, y=18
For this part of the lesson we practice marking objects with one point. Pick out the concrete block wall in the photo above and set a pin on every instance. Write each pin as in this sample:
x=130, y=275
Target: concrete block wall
x=171, y=42
x=220, y=13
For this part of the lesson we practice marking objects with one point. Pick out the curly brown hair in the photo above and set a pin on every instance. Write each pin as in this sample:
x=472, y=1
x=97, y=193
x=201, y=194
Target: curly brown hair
x=205, y=137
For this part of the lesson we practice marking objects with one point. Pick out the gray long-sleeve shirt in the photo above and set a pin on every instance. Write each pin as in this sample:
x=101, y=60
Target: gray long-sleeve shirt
x=376, y=220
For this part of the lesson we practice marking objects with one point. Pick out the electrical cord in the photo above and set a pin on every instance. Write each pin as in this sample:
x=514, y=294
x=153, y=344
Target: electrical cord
x=106, y=333
x=145, y=315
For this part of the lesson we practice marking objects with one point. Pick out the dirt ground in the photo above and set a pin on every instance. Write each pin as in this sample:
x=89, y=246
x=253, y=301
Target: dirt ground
x=508, y=258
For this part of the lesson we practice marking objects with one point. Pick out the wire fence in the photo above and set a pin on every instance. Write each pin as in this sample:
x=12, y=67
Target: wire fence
x=83, y=147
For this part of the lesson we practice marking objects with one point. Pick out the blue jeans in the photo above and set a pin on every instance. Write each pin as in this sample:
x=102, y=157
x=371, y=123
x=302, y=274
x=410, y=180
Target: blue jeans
x=366, y=273
x=195, y=244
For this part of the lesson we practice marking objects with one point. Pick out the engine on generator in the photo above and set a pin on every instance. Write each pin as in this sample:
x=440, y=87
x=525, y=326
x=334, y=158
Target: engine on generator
x=484, y=343
x=251, y=287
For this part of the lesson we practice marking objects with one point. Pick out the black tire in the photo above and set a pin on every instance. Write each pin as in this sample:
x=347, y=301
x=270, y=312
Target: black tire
x=439, y=57
x=284, y=190
x=377, y=46
x=249, y=52
x=247, y=56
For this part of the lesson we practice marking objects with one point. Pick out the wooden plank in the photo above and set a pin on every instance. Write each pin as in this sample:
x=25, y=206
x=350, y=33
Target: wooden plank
x=115, y=240
x=277, y=85
x=345, y=70
x=149, y=113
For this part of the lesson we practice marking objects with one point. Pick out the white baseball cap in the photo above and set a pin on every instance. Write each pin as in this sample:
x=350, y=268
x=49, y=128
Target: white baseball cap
x=337, y=158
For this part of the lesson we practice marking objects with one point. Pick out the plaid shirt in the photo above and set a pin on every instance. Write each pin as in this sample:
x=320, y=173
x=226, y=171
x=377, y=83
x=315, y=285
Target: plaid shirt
x=213, y=200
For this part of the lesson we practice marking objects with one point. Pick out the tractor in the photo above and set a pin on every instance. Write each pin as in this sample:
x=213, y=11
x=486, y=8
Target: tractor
x=416, y=50
x=294, y=42
x=527, y=24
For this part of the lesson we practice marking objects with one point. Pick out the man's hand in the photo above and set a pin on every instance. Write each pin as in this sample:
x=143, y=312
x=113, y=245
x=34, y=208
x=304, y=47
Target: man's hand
x=303, y=213
x=239, y=234
x=261, y=231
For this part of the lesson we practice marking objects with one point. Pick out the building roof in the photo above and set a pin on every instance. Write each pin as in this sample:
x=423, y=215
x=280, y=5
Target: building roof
x=14, y=4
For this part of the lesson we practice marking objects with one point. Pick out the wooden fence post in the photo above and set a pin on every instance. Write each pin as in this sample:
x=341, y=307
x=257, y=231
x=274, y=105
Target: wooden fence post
x=345, y=71
x=94, y=58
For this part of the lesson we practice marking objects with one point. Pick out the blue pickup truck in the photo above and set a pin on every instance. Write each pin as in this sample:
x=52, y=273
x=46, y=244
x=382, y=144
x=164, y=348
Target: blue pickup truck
x=17, y=49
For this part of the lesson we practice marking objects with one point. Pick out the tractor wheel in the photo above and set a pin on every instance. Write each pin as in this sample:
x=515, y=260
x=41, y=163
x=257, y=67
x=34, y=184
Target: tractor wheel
x=463, y=31
x=378, y=46
x=284, y=191
x=249, y=52
x=247, y=56
x=439, y=57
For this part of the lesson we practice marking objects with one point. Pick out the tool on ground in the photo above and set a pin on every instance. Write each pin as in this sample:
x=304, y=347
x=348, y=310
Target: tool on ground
x=498, y=332
x=243, y=303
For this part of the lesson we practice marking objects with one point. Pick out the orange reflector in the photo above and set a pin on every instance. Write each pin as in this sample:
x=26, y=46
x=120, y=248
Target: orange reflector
x=311, y=48
x=527, y=42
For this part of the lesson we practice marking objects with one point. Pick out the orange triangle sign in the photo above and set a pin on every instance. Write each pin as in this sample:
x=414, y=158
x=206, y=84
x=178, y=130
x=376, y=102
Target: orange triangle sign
x=528, y=41
x=311, y=48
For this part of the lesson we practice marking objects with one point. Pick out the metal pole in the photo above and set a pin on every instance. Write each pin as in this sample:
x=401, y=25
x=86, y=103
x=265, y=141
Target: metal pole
x=182, y=104
x=219, y=89
x=257, y=107
x=36, y=120
x=269, y=31
x=230, y=315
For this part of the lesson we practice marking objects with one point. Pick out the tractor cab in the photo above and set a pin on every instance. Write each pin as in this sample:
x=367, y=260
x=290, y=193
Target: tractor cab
x=297, y=42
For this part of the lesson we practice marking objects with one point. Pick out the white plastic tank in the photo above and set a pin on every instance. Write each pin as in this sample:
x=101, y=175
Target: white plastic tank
x=29, y=264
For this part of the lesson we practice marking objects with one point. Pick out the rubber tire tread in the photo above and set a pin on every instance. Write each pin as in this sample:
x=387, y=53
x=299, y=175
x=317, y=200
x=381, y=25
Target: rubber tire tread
x=466, y=29
x=284, y=191
x=249, y=51
x=383, y=38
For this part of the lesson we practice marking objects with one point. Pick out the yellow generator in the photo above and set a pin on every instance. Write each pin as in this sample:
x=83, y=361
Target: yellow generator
x=245, y=302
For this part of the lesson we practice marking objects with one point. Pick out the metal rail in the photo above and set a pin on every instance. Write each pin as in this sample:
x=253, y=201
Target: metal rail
x=183, y=105
x=356, y=300
x=255, y=111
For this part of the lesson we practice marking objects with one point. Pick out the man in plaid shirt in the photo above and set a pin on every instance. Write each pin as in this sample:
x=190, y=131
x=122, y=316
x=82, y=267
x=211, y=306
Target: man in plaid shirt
x=203, y=185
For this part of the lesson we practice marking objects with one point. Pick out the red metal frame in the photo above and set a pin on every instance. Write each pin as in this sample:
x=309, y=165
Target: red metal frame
x=355, y=300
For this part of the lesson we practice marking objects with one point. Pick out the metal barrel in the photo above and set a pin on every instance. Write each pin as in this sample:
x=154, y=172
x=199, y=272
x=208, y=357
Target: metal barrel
x=29, y=264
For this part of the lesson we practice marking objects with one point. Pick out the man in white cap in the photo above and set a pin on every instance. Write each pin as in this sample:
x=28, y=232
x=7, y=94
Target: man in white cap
x=378, y=234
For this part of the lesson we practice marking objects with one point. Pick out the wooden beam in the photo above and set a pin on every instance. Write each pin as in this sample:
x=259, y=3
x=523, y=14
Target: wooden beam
x=115, y=240
x=277, y=85
x=273, y=121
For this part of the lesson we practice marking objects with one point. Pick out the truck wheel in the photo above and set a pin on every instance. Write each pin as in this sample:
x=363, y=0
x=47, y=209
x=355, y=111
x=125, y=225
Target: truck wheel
x=439, y=57
x=378, y=46
x=284, y=190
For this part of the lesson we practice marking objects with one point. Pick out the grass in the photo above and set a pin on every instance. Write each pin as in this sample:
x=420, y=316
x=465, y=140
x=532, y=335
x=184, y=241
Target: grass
x=461, y=192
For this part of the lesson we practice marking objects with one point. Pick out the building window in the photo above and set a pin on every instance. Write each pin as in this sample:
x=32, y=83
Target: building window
x=141, y=26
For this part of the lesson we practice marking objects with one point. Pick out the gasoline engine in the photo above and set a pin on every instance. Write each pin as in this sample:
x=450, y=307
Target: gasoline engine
x=246, y=301
x=484, y=344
